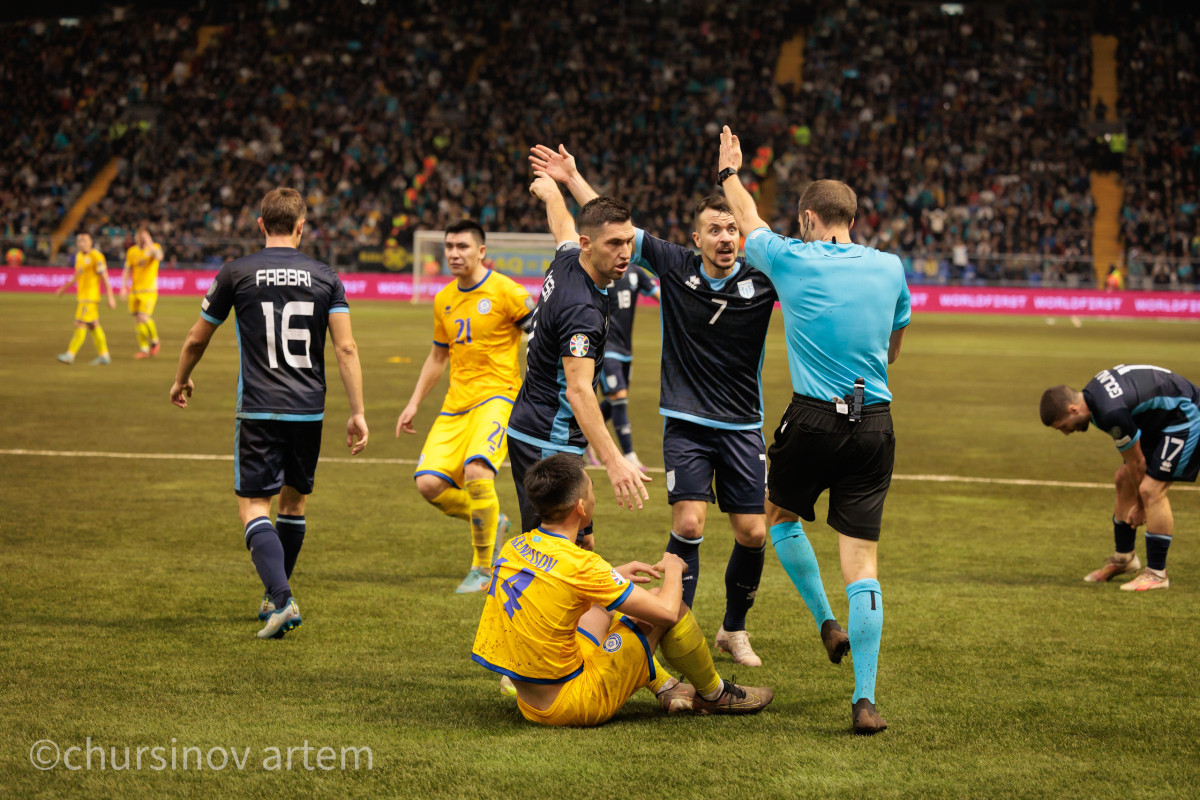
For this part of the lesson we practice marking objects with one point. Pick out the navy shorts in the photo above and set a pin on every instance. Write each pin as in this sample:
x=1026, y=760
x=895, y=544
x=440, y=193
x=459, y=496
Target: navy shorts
x=616, y=376
x=694, y=454
x=270, y=454
x=522, y=456
x=816, y=448
x=1171, y=454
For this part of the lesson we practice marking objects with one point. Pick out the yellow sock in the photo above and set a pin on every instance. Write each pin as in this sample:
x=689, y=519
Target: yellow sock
x=485, y=513
x=453, y=503
x=661, y=676
x=100, y=340
x=684, y=648
x=77, y=340
x=143, y=336
x=151, y=330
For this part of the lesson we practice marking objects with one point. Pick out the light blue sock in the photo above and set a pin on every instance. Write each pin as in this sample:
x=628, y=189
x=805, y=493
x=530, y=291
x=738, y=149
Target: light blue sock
x=800, y=562
x=866, y=628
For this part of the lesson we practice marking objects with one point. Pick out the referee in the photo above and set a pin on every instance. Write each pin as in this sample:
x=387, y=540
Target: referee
x=845, y=308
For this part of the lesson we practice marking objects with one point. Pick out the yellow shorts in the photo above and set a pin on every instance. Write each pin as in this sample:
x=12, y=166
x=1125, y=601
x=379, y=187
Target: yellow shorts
x=142, y=303
x=87, y=311
x=477, y=434
x=613, y=670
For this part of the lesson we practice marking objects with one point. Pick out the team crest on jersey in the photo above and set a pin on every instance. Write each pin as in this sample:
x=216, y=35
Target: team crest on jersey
x=580, y=345
x=485, y=305
x=633, y=279
x=619, y=579
x=746, y=288
x=613, y=643
x=693, y=282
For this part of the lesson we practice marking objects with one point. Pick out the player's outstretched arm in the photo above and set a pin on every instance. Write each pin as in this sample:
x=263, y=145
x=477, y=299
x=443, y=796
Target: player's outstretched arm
x=346, y=350
x=431, y=373
x=63, y=287
x=625, y=477
x=560, y=165
x=562, y=224
x=193, y=350
x=745, y=212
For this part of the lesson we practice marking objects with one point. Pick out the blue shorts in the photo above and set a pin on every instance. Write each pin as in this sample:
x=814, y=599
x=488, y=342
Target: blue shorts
x=615, y=377
x=695, y=454
x=1171, y=454
x=270, y=454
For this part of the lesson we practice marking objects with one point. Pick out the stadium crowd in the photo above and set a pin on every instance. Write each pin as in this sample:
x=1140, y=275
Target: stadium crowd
x=966, y=134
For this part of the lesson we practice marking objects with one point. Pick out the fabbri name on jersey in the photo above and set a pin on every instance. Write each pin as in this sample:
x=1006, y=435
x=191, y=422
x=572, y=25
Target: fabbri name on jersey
x=283, y=277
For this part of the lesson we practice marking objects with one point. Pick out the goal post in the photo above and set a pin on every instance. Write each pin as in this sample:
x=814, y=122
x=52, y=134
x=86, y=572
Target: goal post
x=518, y=255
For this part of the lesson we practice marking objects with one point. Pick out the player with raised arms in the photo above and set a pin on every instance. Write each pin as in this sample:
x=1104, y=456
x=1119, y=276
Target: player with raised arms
x=715, y=313
x=845, y=309
x=556, y=410
x=283, y=302
x=1153, y=417
x=477, y=324
x=575, y=634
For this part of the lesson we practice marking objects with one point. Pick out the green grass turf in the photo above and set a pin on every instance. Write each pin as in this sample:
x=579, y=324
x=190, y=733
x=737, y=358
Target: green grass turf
x=128, y=599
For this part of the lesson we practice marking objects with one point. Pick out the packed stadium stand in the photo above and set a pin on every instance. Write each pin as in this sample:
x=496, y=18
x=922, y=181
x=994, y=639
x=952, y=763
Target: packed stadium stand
x=974, y=139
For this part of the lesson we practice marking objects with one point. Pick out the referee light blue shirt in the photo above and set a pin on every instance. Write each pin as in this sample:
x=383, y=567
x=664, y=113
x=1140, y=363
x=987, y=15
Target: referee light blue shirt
x=841, y=303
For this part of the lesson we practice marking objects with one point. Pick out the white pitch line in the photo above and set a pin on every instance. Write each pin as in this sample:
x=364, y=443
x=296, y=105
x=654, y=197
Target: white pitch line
x=412, y=462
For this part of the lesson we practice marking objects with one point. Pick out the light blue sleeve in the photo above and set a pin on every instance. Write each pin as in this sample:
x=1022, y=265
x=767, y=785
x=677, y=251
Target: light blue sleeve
x=903, y=306
x=762, y=247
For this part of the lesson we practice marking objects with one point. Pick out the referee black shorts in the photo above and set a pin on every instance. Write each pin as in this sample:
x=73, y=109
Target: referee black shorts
x=270, y=454
x=816, y=448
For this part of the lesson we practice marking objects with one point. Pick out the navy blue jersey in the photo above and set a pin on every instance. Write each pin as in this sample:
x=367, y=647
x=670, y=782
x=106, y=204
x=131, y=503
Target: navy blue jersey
x=1131, y=398
x=714, y=335
x=622, y=303
x=569, y=321
x=282, y=300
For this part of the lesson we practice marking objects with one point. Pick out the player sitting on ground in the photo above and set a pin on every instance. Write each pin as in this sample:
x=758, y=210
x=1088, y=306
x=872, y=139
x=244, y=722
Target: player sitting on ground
x=549, y=623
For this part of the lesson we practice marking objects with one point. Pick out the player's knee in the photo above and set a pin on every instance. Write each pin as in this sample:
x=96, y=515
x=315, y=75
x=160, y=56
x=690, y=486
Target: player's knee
x=430, y=486
x=753, y=537
x=1119, y=475
x=1152, y=492
x=689, y=526
x=479, y=470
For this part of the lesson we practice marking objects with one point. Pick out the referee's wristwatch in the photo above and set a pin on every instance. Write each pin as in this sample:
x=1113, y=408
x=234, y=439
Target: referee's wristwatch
x=724, y=175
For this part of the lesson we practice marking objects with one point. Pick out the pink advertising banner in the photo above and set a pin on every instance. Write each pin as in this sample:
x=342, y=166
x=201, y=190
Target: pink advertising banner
x=925, y=299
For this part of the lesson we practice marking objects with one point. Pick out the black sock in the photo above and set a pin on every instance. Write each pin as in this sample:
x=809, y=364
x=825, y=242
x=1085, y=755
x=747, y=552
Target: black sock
x=741, y=583
x=267, y=554
x=1156, y=550
x=689, y=551
x=606, y=410
x=1125, y=536
x=291, y=535
x=620, y=420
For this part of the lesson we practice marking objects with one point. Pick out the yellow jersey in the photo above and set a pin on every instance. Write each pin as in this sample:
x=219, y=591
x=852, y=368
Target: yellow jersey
x=143, y=268
x=479, y=326
x=89, y=267
x=542, y=583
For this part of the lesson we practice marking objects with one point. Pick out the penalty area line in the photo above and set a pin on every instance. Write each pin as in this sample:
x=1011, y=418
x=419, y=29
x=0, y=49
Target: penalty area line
x=411, y=462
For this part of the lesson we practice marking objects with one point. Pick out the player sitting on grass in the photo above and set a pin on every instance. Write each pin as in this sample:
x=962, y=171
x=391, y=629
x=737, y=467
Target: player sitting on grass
x=555, y=619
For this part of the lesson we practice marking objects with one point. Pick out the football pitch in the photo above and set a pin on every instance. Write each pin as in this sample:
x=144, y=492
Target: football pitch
x=128, y=661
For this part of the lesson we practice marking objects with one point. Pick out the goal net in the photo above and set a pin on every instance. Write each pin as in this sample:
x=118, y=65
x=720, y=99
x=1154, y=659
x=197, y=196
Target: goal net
x=518, y=255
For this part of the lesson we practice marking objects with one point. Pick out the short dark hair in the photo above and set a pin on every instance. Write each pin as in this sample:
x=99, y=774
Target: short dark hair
x=282, y=208
x=601, y=211
x=467, y=226
x=833, y=202
x=716, y=202
x=1054, y=403
x=554, y=484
